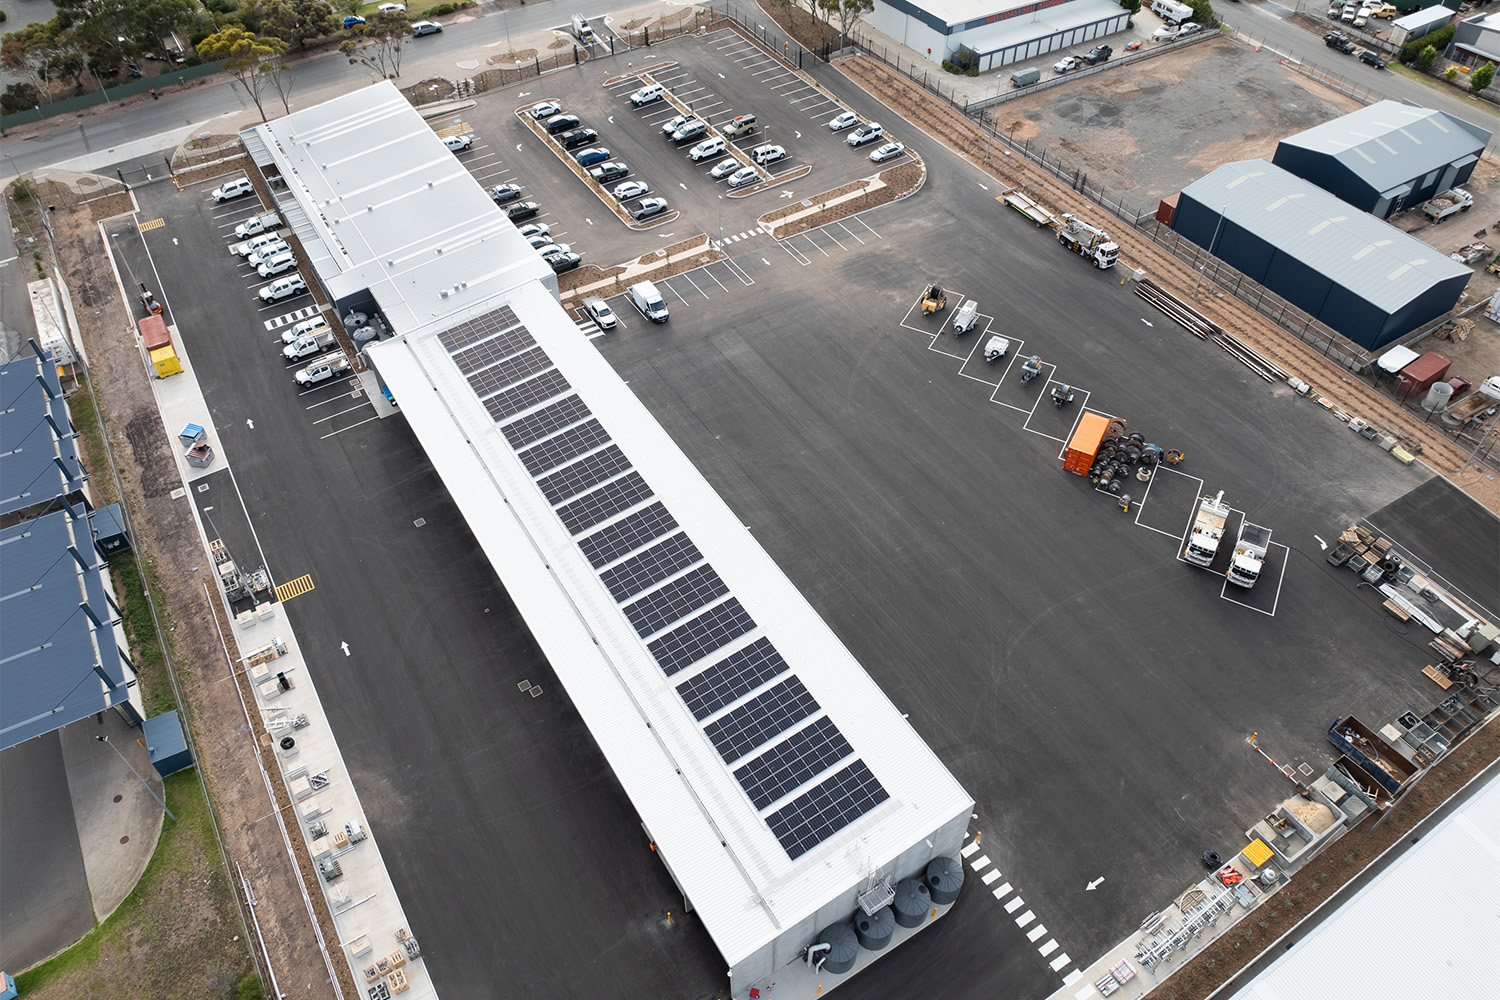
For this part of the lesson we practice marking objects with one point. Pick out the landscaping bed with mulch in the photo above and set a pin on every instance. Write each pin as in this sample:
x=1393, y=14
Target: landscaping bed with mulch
x=898, y=183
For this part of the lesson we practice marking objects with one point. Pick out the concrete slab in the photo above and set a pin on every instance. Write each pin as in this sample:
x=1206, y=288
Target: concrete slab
x=1450, y=533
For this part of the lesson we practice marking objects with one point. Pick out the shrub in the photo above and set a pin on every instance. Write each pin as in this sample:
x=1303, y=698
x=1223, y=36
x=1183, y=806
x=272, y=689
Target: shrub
x=1450, y=73
x=439, y=10
x=1427, y=58
x=1438, y=39
x=19, y=97
x=1481, y=77
x=948, y=67
x=972, y=71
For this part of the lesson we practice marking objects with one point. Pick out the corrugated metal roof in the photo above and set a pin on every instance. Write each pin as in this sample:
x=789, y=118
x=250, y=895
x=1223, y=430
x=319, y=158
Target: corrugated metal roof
x=56, y=666
x=35, y=464
x=1389, y=143
x=747, y=888
x=1424, y=927
x=1375, y=260
x=393, y=209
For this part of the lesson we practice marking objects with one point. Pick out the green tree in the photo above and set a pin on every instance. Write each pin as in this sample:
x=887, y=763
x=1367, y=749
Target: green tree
x=295, y=21
x=1481, y=77
x=19, y=97
x=1134, y=6
x=384, y=35
x=1427, y=58
x=1203, y=13
x=848, y=13
x=250, y=59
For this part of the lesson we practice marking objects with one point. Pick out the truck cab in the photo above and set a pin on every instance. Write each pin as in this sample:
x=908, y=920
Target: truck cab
x=1249, y=555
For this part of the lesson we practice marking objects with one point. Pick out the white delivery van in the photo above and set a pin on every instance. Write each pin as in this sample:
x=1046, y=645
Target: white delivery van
x=645, y=297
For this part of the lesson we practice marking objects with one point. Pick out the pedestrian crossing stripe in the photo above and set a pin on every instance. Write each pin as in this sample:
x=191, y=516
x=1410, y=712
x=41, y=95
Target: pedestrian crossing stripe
x=291, y=317
x=146, y=227
x=294, y=588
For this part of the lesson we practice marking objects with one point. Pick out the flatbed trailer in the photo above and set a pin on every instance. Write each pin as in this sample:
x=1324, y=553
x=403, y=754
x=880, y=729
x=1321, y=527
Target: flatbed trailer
x=1028, y=207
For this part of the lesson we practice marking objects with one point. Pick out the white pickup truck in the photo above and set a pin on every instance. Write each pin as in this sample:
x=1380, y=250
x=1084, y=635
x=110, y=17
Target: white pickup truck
x=308, y=344
x=257, y=224
x=327, y=367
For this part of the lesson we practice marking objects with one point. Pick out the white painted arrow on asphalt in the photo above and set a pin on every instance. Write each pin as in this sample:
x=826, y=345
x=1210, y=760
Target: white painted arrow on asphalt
x=721, y=76
x=1321, y=544
x=682, y=185
x=611, y=119
x=1148, y=323
x=589, y=221
x=1094, y=884
x=518, y=147
x=524, y=93
x=174, y=241
x=765, y=262
x=786, y=194
x=799, y=134
x=344, y=645
x=251, y=424
x=985, y=188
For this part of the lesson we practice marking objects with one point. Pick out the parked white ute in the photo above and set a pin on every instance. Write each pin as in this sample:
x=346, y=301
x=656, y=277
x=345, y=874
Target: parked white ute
x=327, y=367
x=283, y=288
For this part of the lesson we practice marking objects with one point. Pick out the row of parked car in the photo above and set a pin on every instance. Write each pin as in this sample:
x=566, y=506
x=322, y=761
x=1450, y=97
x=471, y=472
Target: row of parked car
x=685, y=128
x=1342, y=42
x=865, y=133
x=568, y=131
x=1359, y=12
x=262, y=247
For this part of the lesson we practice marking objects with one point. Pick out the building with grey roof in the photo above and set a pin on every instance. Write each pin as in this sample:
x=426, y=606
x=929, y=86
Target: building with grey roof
x=389, y=218
x=1000, y=32
x=60, y=651
x=1354, y=273
x=39, y=464
x=1386, y=158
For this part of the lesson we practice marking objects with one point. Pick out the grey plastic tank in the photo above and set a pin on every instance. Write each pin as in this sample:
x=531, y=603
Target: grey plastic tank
x=912, y=903
x=945, y=878
x=845, y=947
x=874, y=931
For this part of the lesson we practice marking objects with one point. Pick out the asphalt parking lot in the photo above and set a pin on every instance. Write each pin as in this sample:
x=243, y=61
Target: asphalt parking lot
x=1091, y=692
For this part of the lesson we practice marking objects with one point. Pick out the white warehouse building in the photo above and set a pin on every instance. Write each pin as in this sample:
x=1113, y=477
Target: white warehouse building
x=1001, y=31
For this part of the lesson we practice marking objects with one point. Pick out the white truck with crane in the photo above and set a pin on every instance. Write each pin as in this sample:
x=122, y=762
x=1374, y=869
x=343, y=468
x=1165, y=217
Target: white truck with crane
x=1207, y=532
x=1249, y=555
x=1089, y=242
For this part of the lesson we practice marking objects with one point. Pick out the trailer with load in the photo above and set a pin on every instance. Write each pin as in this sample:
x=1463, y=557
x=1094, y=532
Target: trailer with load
x=1480, y=402
x=157, y=340
x=1249, y=555
x=933, y=300
x=1207, y=531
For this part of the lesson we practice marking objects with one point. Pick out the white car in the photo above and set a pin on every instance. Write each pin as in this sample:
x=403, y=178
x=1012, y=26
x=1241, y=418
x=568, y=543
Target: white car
x=600, y=312
x=545, y=109
x=420, y=28
x=553, y=249
x=707, y=148
x=630, y=189
x=277, y=264
x=1066, y=63
x=307, y=326
x=1189, y=29
x=283, y=288
x=866, y=133
x=673, y=124
x=743, y=177
x=458, y=143
x=536, y=229
x=647, y=94
x=264, y=252
x=392, y=8
x=648, y=207
x=846, y=120
x=724, y=168
x=233, y=189
x=1165, y=33
x=889, y=151
x=767, y=154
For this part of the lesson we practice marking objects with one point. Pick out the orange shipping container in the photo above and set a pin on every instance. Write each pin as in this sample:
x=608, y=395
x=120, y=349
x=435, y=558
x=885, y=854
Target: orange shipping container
x=1085, y=444
x=154, y=333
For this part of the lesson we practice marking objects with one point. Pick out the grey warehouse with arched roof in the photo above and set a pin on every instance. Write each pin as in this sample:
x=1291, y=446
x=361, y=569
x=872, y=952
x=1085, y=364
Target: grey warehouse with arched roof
x=1352, y=272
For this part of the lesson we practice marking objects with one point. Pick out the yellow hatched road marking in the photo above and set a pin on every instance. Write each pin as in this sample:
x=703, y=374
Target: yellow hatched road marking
x=153, y=224
x=294, y=588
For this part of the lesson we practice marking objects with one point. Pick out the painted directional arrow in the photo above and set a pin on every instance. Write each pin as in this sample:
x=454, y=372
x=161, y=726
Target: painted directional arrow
x=1148, y=323
x=345, y=647
x=765, y=262
x=251, y=424
x=682, y=185
x=1321, y=544
x=589, y=221
x=1094, y=884
x=786, y=194
x=518, y=147
x=799, y=134
x=524, y=93
x=611, y=119
x=985, y=188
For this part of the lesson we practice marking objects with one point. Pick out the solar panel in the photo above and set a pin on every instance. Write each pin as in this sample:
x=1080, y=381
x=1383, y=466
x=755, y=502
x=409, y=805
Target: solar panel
x=564, y=448
x=509, y=371
x=534, y=426
x=676, y=600
x=478, y=328
x=487, y=352
x=584, y=474
x=793, y=762
x=527, y=394
x=812, y=818
x=627, y=534
x=731, y=678
x=761, y=719
x=651, y=567
x=692, y=641
x=603, y=503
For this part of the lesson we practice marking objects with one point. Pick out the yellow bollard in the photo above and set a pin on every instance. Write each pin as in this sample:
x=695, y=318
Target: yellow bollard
x=978, y=835
x=934, y=911
x=669, y=918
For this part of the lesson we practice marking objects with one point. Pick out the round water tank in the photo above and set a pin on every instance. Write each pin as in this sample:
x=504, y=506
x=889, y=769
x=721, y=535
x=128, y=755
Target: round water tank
x=844, y=950
x=1437, y=397
x=945, y=877
x=874, y=931
x=913, y=902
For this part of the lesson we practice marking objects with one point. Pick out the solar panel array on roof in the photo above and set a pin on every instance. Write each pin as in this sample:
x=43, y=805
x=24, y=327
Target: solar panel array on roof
x=747, y=703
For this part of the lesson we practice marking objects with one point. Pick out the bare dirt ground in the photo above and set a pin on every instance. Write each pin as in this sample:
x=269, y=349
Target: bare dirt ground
x=1345, y=391
x=167, y=536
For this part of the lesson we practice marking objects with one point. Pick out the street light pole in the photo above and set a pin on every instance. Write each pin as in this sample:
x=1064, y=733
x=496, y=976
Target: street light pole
x=105, y=739
x=1204, y=266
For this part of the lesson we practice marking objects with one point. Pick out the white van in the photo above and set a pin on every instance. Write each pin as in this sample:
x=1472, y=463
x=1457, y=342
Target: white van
x=647, y=94
x=1171, y=11
x=645, y=297
x=583, y=29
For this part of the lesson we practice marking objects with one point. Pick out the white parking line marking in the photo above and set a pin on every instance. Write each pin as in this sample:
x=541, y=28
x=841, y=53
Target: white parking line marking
x=324, y=420
x=351, y=427
x=1025, y=918
x=796, y=254
x=1014, y=905
x=1060, y=961
x=1072, y=977
x=740, y=272
x=715, y=280
x=695, y=285
x=991, y=876
x=980, y=862
x=1035, y=933
x=1046, y=949
x=1002, y=891
x=674, y=292
x=820, y=250
x=825, y=232
x=863, y=223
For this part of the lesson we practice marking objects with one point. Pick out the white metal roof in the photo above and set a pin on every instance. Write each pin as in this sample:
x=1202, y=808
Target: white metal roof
x=955, y=12
x=1424, y=927
x=740, y=879
x=391, y=209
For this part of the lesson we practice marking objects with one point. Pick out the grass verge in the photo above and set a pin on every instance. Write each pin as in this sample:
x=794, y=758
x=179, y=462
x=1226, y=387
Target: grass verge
x=145, y=649
x=175, y=937
x=85, y=413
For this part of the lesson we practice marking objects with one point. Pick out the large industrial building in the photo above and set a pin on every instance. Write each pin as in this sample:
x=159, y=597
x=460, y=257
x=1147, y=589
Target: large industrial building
x=1354, y=273
x=1001, y=32
x=1385, y=158
x=782, y=790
